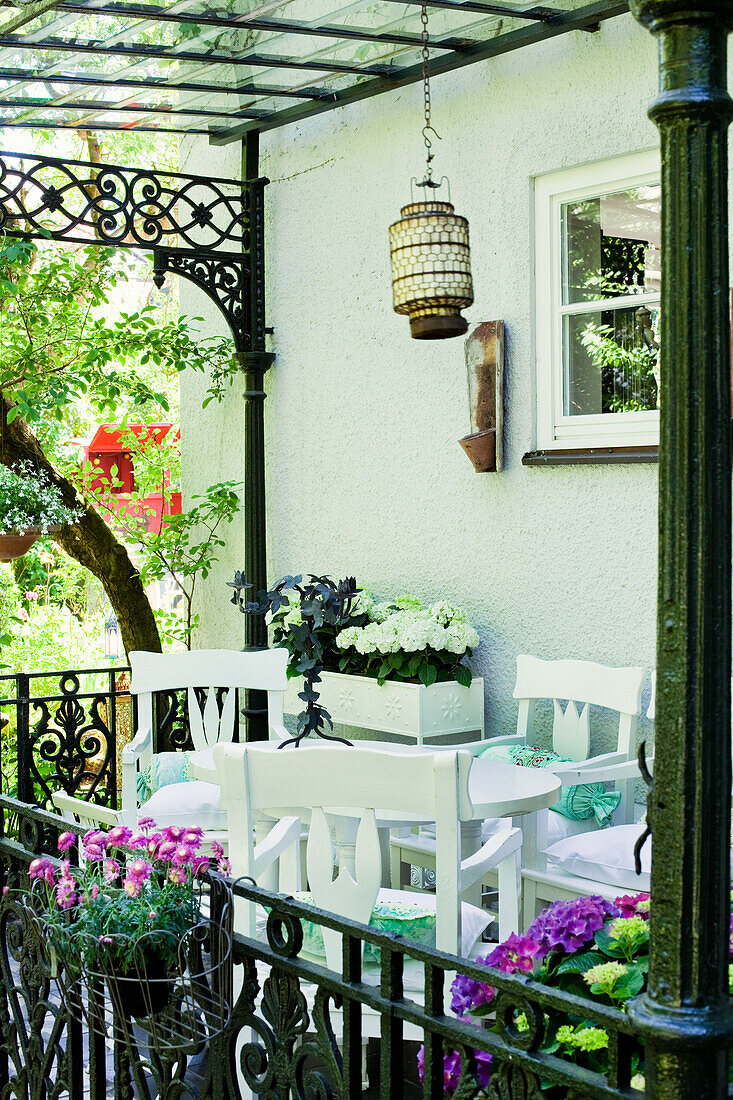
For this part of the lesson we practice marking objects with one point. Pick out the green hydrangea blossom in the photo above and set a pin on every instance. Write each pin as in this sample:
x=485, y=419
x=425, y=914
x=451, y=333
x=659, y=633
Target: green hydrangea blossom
x=605, y=975
x=584, y=1038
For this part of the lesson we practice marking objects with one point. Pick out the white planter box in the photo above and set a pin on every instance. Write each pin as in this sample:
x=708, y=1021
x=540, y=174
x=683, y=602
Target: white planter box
x=412, y=710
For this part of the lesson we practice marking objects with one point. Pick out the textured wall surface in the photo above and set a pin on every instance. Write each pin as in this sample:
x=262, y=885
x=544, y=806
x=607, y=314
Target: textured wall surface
x=365, y=475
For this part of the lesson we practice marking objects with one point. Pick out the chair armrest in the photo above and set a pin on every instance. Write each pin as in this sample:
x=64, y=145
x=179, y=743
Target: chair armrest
x=139, y=751
x=142, y=740
x=279, y=732
x=490, y=854
x=282, y=835
x=606, y=773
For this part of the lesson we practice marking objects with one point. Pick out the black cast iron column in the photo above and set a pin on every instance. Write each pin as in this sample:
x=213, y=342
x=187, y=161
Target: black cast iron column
x=684, y=1016
x=254, y=363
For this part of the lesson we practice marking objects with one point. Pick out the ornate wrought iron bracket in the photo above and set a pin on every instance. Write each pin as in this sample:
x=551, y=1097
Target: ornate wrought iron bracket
x=224, y=278
x=185, y=220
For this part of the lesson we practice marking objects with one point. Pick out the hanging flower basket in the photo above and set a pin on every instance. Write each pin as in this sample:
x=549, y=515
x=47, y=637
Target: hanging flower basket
x=30, y=506
x=14, y=544
x=139, y=938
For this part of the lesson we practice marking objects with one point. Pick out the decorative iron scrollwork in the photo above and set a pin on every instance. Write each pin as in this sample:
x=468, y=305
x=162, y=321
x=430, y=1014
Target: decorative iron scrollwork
x=77, y=741
x=509, y=1082
x=646, y=775
x=209, y=231
x=119, y=206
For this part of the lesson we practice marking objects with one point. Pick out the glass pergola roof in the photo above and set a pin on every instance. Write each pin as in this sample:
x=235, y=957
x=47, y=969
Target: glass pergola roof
x=239, y=65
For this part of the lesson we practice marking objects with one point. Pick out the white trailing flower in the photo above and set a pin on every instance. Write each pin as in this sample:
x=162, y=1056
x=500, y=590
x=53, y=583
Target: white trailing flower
x=29, y=500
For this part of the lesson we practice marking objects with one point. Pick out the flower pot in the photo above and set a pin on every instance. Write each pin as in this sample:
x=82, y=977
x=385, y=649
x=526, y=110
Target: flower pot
x=144, y=990
x=17, y=543
x=481, y=449
x=413, y=710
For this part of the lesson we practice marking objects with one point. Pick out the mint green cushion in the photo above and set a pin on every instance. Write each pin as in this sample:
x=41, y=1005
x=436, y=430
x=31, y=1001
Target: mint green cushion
x=403, y=918
x=164, y=769
x=577, y=803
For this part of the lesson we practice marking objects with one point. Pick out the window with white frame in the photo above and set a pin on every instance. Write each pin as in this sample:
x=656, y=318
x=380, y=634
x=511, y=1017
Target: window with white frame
x=598, y=276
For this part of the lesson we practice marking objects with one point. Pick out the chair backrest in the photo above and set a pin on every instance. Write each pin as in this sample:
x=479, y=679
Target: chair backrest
x=313, y=780
x=213, y=670
x=582, y=684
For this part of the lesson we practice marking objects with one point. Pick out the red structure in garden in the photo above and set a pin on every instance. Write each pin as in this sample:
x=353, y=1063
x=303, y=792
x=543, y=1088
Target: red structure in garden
x=114, y=465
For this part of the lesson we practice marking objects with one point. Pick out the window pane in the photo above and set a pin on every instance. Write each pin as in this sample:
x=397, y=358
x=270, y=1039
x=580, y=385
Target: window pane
x=611, y=245
x=611, y=361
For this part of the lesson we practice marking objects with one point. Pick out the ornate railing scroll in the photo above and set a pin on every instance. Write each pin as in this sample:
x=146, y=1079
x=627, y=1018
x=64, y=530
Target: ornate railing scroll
x=199, y=227
x=297, y=1048
x=63, y=731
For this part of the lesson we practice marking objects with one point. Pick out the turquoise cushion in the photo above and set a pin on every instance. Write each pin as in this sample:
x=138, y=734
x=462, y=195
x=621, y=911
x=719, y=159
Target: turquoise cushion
x=412, y=921
x=164, y=769
x=577, y=803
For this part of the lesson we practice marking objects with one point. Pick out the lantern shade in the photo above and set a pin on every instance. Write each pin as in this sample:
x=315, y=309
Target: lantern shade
x=431, y=269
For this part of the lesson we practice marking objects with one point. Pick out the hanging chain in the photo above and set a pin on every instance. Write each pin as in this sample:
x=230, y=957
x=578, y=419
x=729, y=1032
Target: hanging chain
x=427, y=128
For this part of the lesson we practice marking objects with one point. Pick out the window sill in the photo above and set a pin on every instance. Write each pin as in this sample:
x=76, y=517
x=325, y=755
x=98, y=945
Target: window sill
x=591, y=456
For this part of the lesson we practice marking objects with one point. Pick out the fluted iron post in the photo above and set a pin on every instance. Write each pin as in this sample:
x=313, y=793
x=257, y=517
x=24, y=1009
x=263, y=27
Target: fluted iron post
x=684, y=1016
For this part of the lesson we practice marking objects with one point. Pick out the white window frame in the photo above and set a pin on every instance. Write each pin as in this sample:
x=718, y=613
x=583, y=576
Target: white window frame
x=555, y=430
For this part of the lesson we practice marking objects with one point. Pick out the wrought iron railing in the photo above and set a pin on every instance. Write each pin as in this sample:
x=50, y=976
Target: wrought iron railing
x=296, y=1028
x=61, y=730
x=65, y=730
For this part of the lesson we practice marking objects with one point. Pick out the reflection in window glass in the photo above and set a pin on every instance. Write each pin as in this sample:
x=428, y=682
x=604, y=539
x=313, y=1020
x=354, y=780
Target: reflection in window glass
x=611, y=361
x=611, y=250
x=610, y=245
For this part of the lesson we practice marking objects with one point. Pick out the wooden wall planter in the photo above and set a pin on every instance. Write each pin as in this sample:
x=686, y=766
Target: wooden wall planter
x=412, y=710
x=485, y=367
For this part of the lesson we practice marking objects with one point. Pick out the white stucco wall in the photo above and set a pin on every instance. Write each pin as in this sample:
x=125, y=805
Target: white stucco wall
x=365, y=475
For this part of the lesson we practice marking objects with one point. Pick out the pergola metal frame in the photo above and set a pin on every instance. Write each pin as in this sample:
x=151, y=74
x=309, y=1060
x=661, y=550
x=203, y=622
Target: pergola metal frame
x=520, y=25
x=685, y=1017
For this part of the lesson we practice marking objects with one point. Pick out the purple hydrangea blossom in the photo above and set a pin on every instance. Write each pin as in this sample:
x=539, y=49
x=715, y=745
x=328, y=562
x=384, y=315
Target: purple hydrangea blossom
x=633, y=905
x=468, y=994
x=452, y=1068
x=570, y=925
x=517, y=953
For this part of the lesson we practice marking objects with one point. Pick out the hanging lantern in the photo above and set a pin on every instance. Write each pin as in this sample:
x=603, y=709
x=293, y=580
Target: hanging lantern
x=431, y=260
x=431, y=269
x=113, y=639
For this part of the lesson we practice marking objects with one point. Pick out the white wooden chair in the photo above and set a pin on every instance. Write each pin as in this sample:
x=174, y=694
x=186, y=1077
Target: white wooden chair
x=196, y=802
x=581, y=684
x=599, y=862
x=307, y=781
x=596, y=862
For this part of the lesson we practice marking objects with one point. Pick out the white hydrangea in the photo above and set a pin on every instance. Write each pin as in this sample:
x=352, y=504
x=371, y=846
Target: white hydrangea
x=411, y=629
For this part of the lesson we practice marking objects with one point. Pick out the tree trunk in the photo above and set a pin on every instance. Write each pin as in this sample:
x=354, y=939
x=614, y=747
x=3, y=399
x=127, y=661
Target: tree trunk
x=90, y=541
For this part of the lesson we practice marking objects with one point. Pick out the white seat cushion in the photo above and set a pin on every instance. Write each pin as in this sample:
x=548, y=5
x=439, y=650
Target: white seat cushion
x=195, y=803
x=604, y=855
x=558, y=827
